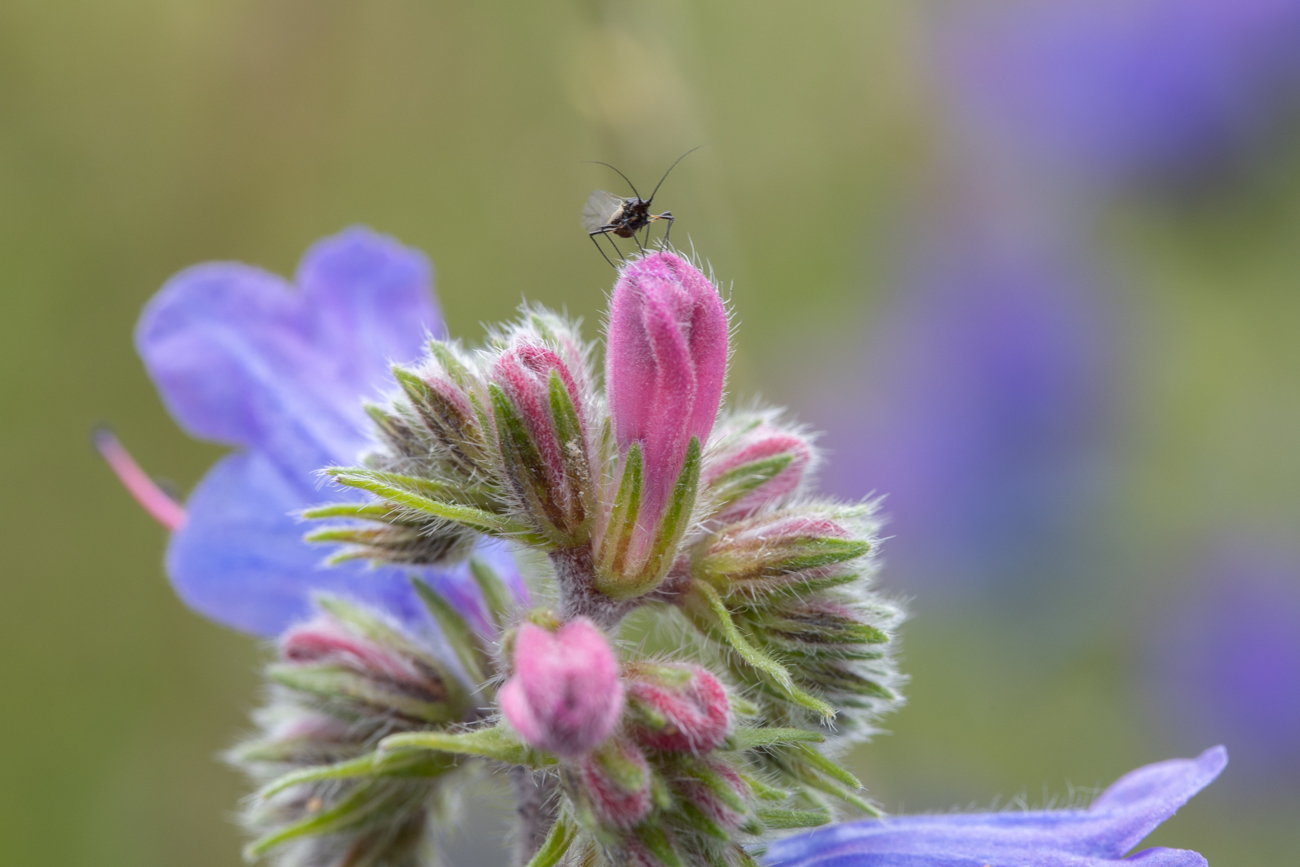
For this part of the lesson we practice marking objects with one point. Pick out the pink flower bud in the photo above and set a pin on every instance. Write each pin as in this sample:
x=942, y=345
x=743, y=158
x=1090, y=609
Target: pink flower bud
x=755, y=463
x=666, y=359
x=351, y=662
x=438, y=395
x=546, y=460
x=678, y=708
x=565, y=696
x=717, y=791
x=788, y=548
x=616, y=783
x=325, y=641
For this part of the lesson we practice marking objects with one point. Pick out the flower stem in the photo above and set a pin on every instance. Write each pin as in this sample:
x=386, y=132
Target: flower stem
x=575, y=574
x=535, y=804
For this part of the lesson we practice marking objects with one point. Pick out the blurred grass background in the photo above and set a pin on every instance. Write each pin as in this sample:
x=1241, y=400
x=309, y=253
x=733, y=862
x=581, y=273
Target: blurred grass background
x=142, y=136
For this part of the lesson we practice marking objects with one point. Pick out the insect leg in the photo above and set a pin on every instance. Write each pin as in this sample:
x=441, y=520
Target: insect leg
x=592, y=236
x=617, y=252
x=667, y=215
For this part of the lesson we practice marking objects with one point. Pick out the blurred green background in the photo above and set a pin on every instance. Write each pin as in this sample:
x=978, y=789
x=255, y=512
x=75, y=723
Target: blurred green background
x=142, y=136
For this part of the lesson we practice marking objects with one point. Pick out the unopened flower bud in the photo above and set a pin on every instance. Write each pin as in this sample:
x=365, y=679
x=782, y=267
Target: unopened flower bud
x=350, y=662
x=345, y=680
x=439, y=395
x=715, y=789
x=794, y=549
x=678, y=707
x=564, y=696
x=542, y=431
x=754, y=462
x=616, y=783
x=666, y=359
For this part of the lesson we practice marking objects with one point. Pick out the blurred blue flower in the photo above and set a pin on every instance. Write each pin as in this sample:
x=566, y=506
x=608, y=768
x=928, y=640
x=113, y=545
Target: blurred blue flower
x=980, y=406
x=279, y=371
x=1224, y=659
x=1122, y=87
x=1101, y=835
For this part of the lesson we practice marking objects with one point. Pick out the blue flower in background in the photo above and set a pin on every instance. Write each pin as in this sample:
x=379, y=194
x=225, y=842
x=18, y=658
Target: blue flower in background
x=1117, y=88
x=981, y=405
x=1101, y=835
x=1224, y=659
x=279, y=371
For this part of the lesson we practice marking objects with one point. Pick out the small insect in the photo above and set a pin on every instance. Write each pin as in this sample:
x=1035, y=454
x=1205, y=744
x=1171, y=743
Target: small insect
x=607, y=214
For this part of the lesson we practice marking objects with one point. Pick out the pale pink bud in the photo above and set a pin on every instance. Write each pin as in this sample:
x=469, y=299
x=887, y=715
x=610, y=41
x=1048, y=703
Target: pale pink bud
x=564, y=696
x=665, y=362
x=678, y=708
x=616, y=783
x=763, y=553
x=755, y=463
x=324, y=641
x=350, y=662
x=542, y=433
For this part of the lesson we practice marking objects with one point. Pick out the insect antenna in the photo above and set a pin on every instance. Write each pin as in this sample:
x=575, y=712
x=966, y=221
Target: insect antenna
x=665, y=177
x=623, y=176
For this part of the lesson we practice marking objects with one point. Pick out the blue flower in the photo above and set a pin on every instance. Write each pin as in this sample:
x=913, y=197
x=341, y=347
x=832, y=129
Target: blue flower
x=1101, y=835
x=1117, y=89
x=279, y=371
x=980, y=403
x=1243, y=684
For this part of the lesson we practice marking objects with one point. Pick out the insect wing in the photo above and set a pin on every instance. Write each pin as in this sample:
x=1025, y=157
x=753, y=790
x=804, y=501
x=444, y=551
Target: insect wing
x=602, y=209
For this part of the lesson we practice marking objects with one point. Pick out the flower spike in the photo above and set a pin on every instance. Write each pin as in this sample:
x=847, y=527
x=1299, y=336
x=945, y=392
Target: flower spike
x=399, y=681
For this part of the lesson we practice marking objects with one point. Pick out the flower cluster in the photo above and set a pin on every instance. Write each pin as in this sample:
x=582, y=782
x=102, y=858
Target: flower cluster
x=640, y=497
x=416, y=659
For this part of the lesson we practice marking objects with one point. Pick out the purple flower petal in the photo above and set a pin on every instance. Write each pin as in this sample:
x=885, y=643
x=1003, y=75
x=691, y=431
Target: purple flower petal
x=240, y=558
x=241, y=357
x=1101, y=835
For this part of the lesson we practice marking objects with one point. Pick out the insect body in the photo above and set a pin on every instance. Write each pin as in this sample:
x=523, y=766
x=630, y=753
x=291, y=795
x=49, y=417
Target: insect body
x=608, y=214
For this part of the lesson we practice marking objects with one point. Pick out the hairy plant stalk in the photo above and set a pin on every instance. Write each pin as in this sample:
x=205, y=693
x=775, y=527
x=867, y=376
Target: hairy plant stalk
x=535, y=805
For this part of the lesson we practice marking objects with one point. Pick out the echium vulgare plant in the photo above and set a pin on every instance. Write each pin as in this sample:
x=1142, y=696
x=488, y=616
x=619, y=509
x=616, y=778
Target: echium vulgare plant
x=415, y=659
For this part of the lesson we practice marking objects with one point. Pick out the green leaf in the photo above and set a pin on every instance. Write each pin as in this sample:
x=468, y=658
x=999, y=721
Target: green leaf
x=380, y=485
x=826, y=766
x=457, y=632
x=762, y=790
x=658, y=843
x=777, y=818
x=708, y=606
x=816, y=771
x=573, y=455
x=622, y=521
x=747, y=738
x=495, y=743
x=369, y=765
x=498, y=598
x=695, y=819
x=747, y=478
x=357, y=808
x=676, y=517
x=557, y=842
x=370, y=511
